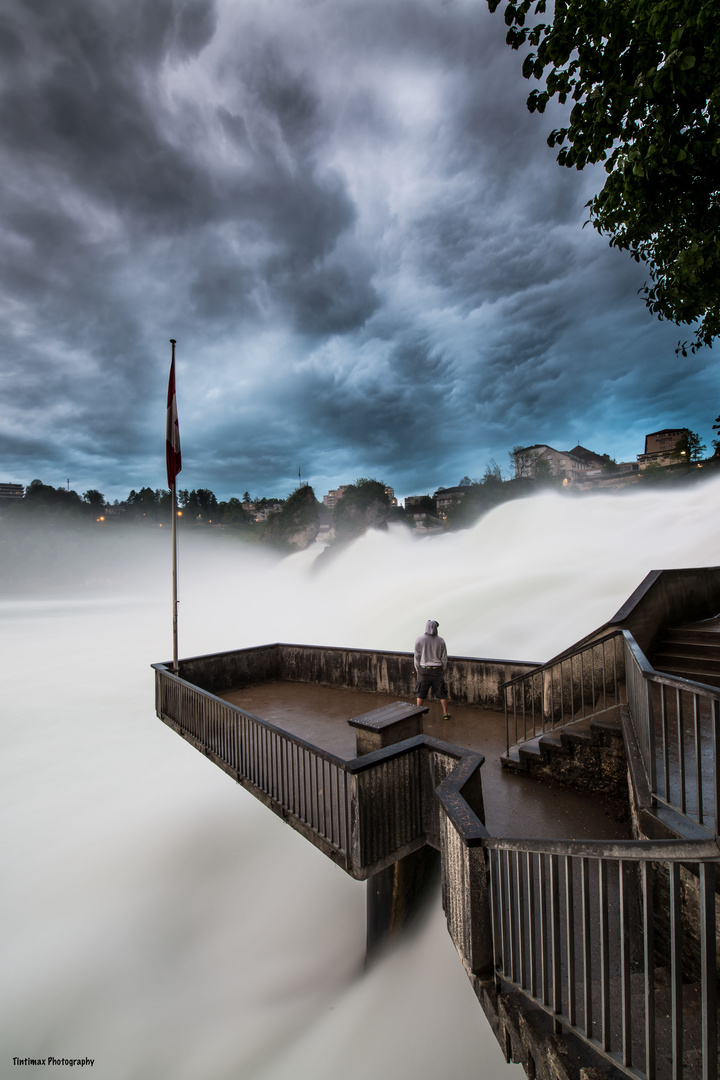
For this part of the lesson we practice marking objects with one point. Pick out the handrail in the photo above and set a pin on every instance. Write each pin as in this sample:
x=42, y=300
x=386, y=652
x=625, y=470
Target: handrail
x=661, y=850
x=679, y=749
x=588, y=931
x=678, y=736
x=170, y=675
x=585, y=647
x=563, y=691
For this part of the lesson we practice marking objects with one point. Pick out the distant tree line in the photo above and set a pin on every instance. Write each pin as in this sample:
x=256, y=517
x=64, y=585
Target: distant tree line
x=295, y=521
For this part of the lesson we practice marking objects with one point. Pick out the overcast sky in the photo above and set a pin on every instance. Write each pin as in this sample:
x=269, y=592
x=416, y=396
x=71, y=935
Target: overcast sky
x=346, y=216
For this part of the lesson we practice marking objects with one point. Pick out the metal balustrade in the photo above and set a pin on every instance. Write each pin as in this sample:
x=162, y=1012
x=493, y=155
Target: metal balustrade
x=676, y=722
x=677, y=726
x=611, y=939
x=364, y=814
x=292, y=776
x=570, y=688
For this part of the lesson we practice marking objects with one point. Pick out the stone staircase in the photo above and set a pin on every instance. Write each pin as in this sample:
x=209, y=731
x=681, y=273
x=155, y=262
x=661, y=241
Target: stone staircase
x=691, y=651
x=587, y=754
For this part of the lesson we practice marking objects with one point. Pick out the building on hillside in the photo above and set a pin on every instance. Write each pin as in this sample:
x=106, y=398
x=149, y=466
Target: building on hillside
x=610, y=478
x=659, y=445
x=422, y=509
x=447, y=497
x=570, y=465
x=593, y=460
x=11, y=491
x=333, y=497
x=390, y=492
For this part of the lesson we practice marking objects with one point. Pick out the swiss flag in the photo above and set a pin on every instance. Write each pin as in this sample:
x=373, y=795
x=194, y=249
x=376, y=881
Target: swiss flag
x=172, y=433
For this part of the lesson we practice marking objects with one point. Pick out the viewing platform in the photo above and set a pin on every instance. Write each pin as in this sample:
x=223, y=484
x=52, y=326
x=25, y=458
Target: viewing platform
x=572, y=808
x=515, y=806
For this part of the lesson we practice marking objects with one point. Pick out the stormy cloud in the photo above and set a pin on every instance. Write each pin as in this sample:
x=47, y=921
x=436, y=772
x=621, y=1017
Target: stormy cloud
x=346, y=216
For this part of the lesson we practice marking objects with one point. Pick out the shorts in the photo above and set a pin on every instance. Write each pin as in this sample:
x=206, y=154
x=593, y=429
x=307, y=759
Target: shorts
x=431, y=677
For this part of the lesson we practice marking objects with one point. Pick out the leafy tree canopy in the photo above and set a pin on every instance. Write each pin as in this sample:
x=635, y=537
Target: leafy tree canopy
x=300, y=512
x=644, y=77
x=688, y=449
x=365, y=504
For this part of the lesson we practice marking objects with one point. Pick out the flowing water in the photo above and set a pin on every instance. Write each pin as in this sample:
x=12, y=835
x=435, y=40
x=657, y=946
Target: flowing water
x=157, y=918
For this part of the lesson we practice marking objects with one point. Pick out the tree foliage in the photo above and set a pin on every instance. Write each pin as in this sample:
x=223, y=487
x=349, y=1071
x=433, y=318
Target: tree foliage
x=365, y=504
x=644, y=80
x=297, y=522
x=688, y=449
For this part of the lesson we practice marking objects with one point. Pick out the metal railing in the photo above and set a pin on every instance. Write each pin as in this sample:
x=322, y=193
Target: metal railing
x=364, y=813
x=676, y=722
x=565, y=690
x=677, y=726
x=292, y=776
x=610, y=939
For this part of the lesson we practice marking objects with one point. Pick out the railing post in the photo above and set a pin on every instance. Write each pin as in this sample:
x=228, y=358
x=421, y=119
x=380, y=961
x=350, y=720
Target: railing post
x=716, y=754
x=651, y=738
x=354, y=837
x=708, y=960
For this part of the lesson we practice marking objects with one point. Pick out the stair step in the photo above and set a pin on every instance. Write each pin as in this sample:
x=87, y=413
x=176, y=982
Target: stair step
x=683, y=672
x=691, y=652
x=706, y=637
x=687, y=660
x=588, y=732
x=530, y=749
x=702, y=648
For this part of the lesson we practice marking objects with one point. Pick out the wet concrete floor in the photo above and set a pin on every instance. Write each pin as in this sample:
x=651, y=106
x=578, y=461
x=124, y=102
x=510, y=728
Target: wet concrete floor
x=516, y=806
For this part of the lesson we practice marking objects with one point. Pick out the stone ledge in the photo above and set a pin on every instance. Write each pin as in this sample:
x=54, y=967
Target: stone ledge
x=387, y=725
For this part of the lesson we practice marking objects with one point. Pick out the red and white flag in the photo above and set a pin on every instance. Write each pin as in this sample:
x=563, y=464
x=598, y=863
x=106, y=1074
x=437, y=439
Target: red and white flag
x=172, y=433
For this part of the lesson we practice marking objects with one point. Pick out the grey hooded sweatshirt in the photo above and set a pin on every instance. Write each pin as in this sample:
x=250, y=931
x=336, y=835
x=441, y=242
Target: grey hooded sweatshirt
x=430, y=650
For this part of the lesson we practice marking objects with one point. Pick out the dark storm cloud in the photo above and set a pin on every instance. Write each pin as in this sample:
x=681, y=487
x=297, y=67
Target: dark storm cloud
x=345, y=215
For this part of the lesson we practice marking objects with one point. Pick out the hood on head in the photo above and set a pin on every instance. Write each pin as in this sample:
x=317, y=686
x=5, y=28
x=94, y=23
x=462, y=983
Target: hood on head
x=431, y=627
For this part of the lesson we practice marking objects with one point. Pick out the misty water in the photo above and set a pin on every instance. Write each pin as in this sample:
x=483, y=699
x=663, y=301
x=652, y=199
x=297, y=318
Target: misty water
x=157, y=918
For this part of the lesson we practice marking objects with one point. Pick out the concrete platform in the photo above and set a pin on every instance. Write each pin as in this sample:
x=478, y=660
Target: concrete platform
x=518, y=807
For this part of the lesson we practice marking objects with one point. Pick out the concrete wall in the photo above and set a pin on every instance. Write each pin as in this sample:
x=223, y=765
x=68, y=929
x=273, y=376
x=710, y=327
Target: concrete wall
x=471, y=681
x=218, y=672
x=667, y=598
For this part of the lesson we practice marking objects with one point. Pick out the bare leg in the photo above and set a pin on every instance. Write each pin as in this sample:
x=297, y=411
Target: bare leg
x=443, y=702
x=421, y=701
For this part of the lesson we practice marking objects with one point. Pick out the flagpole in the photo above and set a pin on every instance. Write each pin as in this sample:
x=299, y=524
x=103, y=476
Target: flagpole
x=174, y=465
x=174, y=578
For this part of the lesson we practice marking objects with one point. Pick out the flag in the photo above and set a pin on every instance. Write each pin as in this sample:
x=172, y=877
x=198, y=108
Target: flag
x=172, y=432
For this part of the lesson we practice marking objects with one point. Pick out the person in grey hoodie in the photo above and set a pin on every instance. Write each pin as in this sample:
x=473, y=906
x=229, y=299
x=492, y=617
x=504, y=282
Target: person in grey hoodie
x=430, y=665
